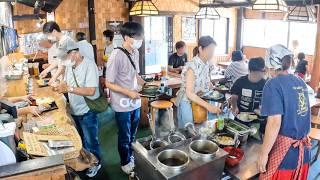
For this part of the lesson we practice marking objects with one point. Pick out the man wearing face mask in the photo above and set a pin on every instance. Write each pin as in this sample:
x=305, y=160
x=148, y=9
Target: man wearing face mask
x=108, y=36
x=54, y=34
x=82, y=79
x=53, y=60
x=122, y=79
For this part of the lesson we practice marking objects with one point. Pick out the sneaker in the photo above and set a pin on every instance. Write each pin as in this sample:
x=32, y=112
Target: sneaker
x=132, y=161
x=128, y=168
x=91, y=172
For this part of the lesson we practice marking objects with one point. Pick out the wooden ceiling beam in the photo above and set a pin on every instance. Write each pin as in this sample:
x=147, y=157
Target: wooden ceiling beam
x=249, y=3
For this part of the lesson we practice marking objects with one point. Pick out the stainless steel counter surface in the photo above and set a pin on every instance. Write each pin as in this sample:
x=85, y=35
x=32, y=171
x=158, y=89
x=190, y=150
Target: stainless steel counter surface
x=247, y=168
x=208, y=170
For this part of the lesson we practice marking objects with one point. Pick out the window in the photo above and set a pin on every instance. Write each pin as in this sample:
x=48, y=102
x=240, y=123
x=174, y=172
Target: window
x=265, y=33
x=218, y=29
x=156, y=43
x=305, y=34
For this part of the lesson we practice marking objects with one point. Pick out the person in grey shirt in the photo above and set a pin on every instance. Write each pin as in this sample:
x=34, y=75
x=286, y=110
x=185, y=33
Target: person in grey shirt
x=80, y=70
x=123, y=80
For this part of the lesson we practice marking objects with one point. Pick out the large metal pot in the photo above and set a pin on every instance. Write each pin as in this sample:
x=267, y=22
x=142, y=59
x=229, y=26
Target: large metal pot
x=173, y=160
x=176, y=137
x=157, y=143
x=203, y=149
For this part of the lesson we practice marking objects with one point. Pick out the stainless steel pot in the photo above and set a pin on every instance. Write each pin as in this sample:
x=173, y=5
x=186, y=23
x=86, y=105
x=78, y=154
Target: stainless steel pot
x=203, y=149
x=157, y=143
x=173, y=160
x=175, y=137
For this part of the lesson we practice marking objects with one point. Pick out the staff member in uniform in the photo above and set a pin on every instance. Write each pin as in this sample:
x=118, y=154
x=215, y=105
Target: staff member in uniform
x=285, y=152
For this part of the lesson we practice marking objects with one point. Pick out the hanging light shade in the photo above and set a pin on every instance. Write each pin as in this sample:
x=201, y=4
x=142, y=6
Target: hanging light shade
x=303, y=13
x=270, y=5
x=143, y=8
x=207, y=13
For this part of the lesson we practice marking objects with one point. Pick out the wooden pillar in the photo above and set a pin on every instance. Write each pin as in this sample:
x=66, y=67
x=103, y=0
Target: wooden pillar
x=315, y=75
x=92, y=27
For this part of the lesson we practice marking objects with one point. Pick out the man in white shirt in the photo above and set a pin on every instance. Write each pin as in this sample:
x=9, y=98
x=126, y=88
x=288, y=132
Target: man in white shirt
x=53, y=32
x=84, y=46
x=53, y=60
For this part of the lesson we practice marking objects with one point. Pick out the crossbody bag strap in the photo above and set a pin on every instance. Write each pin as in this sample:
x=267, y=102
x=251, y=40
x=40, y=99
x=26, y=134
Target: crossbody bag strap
x=129, y=57
x=74, y=77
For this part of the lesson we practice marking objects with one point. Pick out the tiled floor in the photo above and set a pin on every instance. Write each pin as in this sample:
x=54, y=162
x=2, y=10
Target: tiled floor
x=110, y=159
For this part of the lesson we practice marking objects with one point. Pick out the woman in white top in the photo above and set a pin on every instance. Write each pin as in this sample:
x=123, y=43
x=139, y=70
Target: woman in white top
x=196, y=81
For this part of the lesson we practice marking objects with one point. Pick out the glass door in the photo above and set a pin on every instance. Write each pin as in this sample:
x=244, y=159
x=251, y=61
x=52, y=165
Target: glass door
x=156, y=43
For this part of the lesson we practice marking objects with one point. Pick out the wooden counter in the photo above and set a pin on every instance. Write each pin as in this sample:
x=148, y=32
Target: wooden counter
x=46, y=168
x=60, y=116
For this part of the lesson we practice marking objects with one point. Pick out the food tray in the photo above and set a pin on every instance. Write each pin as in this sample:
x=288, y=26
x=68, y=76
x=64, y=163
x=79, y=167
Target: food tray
x=14, y=77
x=211, y=98
x=247, y=119
x=35, y=145
x=44, y=84
x=53, y=106
x=235, y=126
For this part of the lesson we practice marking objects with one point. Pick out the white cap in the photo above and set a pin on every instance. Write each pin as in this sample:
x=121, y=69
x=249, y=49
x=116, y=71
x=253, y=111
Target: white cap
x=275, y=54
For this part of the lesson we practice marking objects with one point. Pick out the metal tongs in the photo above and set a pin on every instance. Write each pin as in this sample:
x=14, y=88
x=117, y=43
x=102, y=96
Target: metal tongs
x=191, y=129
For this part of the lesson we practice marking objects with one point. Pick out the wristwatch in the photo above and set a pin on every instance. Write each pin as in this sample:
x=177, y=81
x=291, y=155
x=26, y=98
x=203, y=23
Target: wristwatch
x=70, y=89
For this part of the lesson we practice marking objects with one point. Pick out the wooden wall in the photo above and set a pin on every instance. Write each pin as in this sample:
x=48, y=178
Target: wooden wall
x=107, y=10
x=74, y=16
x=25, y=26
x=69, y=15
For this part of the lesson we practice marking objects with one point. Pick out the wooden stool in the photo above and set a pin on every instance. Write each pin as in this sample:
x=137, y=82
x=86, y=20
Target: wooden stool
x=315, y=121
x=173, y=100
x=175, y=111
x=315, y=135
x=155, y=107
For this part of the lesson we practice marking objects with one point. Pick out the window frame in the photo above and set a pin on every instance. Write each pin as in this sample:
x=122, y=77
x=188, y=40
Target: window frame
x=288, y=35
x=213, y=33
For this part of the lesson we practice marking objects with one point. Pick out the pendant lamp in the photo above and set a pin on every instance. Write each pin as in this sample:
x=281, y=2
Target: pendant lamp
x=270, y=5
x=143, y=8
